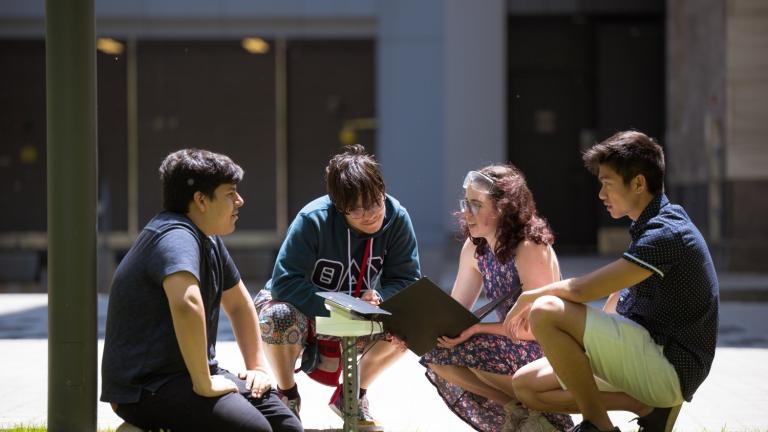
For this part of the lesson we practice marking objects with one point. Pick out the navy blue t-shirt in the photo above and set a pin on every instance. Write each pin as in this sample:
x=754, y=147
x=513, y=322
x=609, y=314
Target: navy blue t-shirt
x=140, y=346
x=678, y=304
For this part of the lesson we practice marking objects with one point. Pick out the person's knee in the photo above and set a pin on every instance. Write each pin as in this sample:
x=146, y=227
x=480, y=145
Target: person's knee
x=525, y=391
x=521, y=383
x=281, y=323
x=545, y=310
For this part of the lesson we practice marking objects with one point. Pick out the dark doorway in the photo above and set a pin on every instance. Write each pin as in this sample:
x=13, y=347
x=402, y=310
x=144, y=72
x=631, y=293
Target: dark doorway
x=329, y=82
x=212, y=95
x=574, y=81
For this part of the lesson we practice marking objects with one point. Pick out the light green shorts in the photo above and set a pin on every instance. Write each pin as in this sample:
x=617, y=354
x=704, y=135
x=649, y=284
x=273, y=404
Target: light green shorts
x=625, y=359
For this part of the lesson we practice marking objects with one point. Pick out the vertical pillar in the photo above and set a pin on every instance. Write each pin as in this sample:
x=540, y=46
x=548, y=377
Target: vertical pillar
x=441, y=95
x=71, y=154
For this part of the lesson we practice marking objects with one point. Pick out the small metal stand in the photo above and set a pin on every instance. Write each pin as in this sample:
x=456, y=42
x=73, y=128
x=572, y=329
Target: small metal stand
x=348, y=327
x=350, y=383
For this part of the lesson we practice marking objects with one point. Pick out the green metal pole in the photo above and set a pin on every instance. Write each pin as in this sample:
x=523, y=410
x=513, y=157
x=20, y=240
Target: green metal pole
x=70, y=61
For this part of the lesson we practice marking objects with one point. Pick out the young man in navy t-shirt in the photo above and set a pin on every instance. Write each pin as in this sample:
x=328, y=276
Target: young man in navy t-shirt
x=653, y=343
x=159, y=368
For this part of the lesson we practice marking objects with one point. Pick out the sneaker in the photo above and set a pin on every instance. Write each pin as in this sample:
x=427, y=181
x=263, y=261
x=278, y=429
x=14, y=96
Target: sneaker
x=293, y=404
x=536, y=422
x=587, y=426
x=365, y=421
x=659, y=420
x=514, y=414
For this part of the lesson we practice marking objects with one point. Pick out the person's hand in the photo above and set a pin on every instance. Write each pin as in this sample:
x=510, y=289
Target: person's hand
x=517, y=317
x=520, y=326
x=215, y=386
x=448, y=342
x=257, y=381
x=397, y=342
x=371, y=296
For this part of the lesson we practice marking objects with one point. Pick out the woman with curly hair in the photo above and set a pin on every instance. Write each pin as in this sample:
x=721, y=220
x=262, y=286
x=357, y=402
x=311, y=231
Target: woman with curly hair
x=507, y=249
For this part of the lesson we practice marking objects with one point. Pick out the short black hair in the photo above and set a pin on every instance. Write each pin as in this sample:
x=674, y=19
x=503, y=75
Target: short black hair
x=630, y=153
x=353, y=174
x=187, y=171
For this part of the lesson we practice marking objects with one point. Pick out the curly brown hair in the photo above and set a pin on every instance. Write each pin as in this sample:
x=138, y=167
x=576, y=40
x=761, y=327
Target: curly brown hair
x=519, y=218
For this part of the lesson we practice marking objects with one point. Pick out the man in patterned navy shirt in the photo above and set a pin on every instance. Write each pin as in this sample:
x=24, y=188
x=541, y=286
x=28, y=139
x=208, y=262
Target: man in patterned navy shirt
x=653, y=343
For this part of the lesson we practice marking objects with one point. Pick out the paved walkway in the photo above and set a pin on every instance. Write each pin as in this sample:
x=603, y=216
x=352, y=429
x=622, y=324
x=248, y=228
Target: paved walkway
x=734, y=397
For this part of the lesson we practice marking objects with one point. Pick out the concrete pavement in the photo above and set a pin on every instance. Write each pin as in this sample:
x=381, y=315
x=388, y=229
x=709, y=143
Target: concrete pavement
x=734, y=396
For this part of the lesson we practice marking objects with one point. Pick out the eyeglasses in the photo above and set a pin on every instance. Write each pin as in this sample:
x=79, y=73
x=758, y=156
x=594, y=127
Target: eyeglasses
x=473, y=207
x=360, y=212
x=479, y=182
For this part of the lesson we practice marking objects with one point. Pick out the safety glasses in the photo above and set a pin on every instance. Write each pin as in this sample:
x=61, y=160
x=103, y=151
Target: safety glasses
x=473, y=207
x=479, y=182
x=360, y=212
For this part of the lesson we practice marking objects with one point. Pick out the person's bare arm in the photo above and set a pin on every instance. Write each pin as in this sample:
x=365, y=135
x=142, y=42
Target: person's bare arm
x=238, y=306
x=466, y=290
x=188, y=314
x=536, y=266
x=600, y=283
x=469, y=282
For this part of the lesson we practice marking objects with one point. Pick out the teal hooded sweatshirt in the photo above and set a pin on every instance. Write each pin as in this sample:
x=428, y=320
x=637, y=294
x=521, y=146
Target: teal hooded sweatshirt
x=320, y=248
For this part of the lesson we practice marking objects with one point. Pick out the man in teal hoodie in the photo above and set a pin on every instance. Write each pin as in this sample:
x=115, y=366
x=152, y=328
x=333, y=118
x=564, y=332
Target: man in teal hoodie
x=357, y=240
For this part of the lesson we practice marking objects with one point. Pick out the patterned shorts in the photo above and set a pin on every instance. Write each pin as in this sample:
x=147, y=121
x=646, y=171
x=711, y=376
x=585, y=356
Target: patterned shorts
x=282, y=323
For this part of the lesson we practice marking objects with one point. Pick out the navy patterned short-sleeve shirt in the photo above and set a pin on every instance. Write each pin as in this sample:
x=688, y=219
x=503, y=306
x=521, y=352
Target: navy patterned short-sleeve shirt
x=678, y=304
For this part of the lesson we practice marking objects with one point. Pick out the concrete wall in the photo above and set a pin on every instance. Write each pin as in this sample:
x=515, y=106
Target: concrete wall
x=717, y=104
x=441, y=106
x=746, y=155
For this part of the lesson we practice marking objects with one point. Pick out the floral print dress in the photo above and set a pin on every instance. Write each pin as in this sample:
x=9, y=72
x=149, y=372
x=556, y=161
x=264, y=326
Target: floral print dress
x=489, y=353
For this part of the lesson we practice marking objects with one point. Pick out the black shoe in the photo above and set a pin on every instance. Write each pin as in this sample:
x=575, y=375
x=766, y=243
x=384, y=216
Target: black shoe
x=659, y=420
x=587, y=426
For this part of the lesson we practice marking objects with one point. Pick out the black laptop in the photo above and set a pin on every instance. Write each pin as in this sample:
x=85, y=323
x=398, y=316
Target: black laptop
x=353, y=306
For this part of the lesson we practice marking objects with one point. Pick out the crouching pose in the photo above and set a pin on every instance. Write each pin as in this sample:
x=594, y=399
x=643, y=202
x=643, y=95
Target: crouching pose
x=357, y=240
x=653, y=344
x=508, y=250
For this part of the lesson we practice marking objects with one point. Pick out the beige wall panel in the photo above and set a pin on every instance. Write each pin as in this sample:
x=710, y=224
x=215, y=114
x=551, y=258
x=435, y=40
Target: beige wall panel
x=747, y=90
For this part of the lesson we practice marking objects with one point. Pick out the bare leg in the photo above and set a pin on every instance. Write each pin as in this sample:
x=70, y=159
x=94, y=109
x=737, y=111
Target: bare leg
x=559, y=328
x=282, y=358
x=502, y=383
x=378, y=358
x=539, y=389
x=470, y=381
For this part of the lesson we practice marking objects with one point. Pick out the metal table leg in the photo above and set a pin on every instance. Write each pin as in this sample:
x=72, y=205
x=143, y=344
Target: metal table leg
x=350, y=383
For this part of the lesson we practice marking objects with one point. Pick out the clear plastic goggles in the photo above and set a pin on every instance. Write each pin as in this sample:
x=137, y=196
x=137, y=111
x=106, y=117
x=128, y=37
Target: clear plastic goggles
x=479, y=182
x=469, y=206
